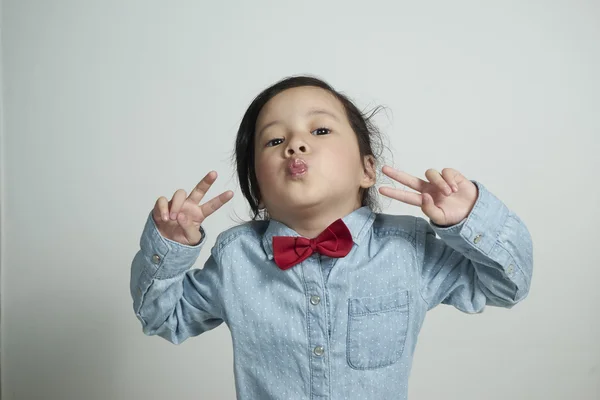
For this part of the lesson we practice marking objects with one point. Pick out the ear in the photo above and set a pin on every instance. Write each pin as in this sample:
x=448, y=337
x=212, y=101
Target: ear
x=369, y=175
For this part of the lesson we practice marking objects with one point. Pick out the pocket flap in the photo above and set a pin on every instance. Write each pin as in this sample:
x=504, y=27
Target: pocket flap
x=386, y=302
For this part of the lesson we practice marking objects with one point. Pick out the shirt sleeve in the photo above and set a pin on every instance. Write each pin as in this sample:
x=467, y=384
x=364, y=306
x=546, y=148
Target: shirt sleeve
x=486, y=259
x=169, y=299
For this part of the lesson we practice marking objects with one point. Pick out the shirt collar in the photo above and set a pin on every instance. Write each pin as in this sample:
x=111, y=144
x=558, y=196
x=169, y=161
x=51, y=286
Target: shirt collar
x=358, y=222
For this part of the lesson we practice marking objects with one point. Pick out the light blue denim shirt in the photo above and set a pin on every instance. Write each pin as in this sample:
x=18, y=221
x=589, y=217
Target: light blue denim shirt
x=331, y=328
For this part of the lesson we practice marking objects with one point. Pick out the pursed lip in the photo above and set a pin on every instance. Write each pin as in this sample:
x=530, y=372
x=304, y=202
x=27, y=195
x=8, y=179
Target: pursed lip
x=297, y=167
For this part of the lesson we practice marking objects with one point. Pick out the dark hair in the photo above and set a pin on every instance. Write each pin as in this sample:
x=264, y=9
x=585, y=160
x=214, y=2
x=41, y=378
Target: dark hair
x=360, y=122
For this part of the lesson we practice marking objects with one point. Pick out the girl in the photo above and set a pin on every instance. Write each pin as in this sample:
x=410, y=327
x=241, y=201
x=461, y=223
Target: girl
x=324, y=297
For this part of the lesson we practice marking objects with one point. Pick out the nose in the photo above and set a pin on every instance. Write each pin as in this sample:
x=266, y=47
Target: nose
x=296, y=146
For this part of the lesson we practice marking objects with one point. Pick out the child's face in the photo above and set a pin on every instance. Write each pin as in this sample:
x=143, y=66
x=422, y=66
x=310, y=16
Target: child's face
x=307, y=155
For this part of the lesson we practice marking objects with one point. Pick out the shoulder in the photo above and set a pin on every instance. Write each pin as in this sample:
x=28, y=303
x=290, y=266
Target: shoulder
x=407, y=226
x=251, y=230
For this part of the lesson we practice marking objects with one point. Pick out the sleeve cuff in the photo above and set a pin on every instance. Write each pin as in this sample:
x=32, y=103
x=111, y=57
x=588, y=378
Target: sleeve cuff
x=481, y=227
x=166, y=258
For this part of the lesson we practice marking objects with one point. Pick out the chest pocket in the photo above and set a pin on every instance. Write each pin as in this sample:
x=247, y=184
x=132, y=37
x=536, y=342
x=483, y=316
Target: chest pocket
x=377, y=330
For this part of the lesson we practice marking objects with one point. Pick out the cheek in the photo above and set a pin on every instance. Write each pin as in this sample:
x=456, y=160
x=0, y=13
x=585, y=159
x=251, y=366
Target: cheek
x=263, y=170
x=346, y=158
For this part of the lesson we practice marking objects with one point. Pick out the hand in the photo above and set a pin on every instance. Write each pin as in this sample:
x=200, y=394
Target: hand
x=446, y=199
x=180, y=218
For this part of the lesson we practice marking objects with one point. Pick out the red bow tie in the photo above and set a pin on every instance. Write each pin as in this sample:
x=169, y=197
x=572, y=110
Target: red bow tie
x=335, y=241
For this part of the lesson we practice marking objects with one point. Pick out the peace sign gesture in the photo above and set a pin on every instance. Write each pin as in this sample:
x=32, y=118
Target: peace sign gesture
x=180, y=218
x=446, y=199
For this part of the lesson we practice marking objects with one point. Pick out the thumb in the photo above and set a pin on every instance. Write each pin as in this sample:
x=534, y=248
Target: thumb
x=431, y=210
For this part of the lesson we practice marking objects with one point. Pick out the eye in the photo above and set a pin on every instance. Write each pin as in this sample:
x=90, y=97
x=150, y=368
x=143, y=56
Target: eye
x=274, y=142
x=321, y=131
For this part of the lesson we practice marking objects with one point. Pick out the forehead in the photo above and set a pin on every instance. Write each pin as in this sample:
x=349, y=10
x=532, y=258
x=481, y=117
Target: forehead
x=299, y=100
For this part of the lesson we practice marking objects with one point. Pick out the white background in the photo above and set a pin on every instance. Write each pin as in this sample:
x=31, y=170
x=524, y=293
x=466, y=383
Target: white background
x=107, y=105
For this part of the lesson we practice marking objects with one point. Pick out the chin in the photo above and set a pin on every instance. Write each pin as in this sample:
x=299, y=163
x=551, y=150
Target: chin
x=304, y=202
x=295, y=203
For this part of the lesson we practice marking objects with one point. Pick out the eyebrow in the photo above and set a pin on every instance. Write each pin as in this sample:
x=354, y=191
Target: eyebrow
x=314, y=111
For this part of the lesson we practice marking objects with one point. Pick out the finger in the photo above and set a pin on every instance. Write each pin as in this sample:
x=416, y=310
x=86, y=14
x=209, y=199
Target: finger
x=214, y=204
x=450, y=176
x=406, y=179
x=176, y=203
x=198, y=193
x=161, y=209
x=404, y=196
x=431, y=210
x=436, y=179
x=187, y=224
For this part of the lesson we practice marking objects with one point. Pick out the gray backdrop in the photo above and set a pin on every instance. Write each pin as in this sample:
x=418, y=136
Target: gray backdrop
x=107, y=105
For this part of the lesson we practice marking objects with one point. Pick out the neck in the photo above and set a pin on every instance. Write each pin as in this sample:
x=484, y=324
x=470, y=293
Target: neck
x=311, y=221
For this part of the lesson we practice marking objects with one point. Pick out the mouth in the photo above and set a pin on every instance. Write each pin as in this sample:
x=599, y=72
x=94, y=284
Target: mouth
x=297, y=167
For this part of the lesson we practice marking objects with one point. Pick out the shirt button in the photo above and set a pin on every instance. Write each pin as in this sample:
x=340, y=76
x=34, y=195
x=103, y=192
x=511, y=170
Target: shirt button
x=314, y=300
x=477, y=239
x=319, y=350
x=156, y=259
x=510, y=269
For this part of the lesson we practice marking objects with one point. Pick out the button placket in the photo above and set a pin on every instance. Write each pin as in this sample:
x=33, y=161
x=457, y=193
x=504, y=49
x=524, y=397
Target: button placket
x=319, y=351
x=317, y=321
